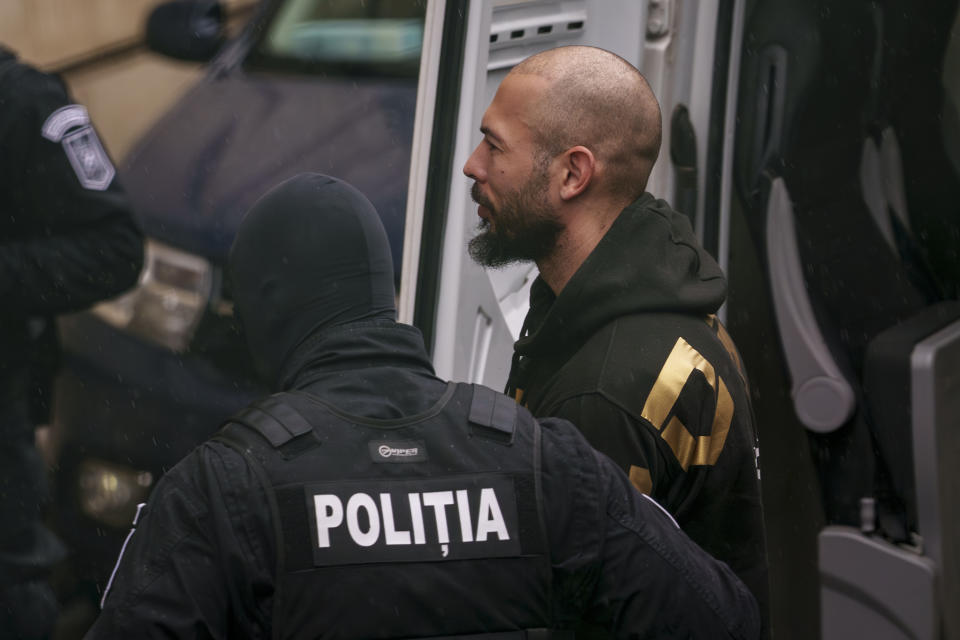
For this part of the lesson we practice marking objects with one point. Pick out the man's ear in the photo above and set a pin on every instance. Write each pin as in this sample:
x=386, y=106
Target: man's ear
x=576, y=171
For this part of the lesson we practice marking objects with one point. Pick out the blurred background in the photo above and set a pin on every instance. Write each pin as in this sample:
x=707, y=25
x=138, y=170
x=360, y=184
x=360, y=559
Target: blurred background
x=202, y=106
x=98, y=47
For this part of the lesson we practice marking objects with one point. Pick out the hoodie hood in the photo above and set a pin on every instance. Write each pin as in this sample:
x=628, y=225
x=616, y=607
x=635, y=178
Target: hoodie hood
x=649, y=261
x=310, y=255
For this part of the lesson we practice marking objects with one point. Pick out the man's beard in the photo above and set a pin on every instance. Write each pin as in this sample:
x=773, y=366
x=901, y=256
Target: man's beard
x=524, y=228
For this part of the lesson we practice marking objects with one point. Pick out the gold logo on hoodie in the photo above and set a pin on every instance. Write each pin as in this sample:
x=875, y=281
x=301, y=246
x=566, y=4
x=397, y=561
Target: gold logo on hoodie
x=660, y=407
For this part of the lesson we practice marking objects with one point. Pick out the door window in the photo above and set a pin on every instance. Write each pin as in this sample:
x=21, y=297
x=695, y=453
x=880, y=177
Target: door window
x=343, y=37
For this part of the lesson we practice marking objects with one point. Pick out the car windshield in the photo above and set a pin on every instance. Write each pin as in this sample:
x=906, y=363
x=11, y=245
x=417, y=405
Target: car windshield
x=342, y=37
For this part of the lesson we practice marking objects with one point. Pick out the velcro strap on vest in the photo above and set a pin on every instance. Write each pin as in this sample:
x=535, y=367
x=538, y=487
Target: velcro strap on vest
x=493, y=410
x=275, y=420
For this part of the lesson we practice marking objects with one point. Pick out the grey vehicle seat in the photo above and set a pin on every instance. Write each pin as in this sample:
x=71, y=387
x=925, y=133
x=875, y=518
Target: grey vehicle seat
x=845, y=180
x=918, y=88
x=836, y=281
x=872, y=585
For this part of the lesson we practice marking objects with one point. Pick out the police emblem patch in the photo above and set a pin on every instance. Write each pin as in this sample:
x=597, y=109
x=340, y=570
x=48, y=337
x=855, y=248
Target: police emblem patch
x=71, y=127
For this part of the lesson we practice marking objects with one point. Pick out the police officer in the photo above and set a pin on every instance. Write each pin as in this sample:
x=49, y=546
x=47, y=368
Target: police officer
x=370, y=499
x=67, y=239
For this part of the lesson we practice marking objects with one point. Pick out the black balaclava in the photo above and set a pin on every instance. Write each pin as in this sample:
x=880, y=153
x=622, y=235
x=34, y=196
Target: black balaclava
x=309, y=255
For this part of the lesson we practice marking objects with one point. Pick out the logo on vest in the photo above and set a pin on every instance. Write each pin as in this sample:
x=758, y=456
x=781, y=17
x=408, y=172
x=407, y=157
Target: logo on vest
x=386, y=451
x=398, y=451
x=414, y=521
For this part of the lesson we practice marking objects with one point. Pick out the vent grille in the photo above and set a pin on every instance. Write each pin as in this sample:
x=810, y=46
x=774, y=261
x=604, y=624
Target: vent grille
x=521, y=29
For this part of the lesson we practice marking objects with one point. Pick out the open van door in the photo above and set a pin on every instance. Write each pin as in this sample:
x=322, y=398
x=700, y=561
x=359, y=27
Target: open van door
x=689, y=51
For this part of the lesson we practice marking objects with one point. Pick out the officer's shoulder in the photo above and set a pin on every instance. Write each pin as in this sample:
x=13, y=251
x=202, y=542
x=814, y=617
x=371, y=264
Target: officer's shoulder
x=212, y=455
x=28, y=80
x=562, y=437
x=30, y=88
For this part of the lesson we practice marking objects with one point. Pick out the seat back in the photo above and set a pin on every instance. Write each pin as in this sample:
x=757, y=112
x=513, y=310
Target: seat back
x=870, y=586
x=836, y=275
x=830, y=188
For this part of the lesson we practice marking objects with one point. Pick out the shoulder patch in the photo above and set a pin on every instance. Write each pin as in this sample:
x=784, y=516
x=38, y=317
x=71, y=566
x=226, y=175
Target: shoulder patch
x=70, y=126
x=63, y=119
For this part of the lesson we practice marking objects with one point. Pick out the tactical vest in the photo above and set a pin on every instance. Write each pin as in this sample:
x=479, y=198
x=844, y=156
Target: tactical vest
x=425, y=526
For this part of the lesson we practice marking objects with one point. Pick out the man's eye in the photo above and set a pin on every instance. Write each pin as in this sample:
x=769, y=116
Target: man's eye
x=490, y=145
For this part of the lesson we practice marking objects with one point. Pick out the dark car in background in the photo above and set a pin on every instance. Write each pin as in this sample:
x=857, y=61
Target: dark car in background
x=308, y=85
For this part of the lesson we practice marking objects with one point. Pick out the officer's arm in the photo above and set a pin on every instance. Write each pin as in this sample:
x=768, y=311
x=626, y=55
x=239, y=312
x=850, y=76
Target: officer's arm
x=199, y=558
x=86, y=245
x=621, y=562
x=633, y=443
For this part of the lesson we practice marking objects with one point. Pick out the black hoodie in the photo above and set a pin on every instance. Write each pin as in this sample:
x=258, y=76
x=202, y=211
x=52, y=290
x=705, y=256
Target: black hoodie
x=632, y=353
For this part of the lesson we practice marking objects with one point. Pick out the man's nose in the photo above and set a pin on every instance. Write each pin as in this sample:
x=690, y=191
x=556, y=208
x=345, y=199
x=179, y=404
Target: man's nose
x=471, y=168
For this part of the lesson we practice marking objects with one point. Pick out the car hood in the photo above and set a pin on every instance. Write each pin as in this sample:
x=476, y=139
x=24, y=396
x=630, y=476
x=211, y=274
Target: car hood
x=231, y=138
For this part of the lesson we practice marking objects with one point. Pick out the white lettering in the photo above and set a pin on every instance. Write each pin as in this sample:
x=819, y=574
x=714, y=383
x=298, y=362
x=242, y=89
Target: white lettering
x=392, y=535
x=363, y=501
x=416, y=514
x=386, y=451
x=329, y=516
x=379, y=514
x=463, y=508
x=439, y=500
x=490, y=519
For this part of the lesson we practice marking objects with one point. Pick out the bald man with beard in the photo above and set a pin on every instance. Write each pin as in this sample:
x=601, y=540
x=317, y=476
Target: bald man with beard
x=622, y=336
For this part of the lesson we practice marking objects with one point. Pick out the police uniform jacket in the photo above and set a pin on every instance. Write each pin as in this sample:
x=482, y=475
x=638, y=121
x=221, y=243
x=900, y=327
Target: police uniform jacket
x=67, y=235
x=631, y=352
x=371, y=553
x=67, y=240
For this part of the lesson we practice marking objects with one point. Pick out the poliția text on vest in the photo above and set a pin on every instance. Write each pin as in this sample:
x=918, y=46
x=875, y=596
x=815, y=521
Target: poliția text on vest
x=489, y=517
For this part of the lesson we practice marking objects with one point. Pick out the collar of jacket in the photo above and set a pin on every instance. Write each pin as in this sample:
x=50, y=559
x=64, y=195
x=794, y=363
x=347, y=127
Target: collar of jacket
x=354, y=346
x=649, y=261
